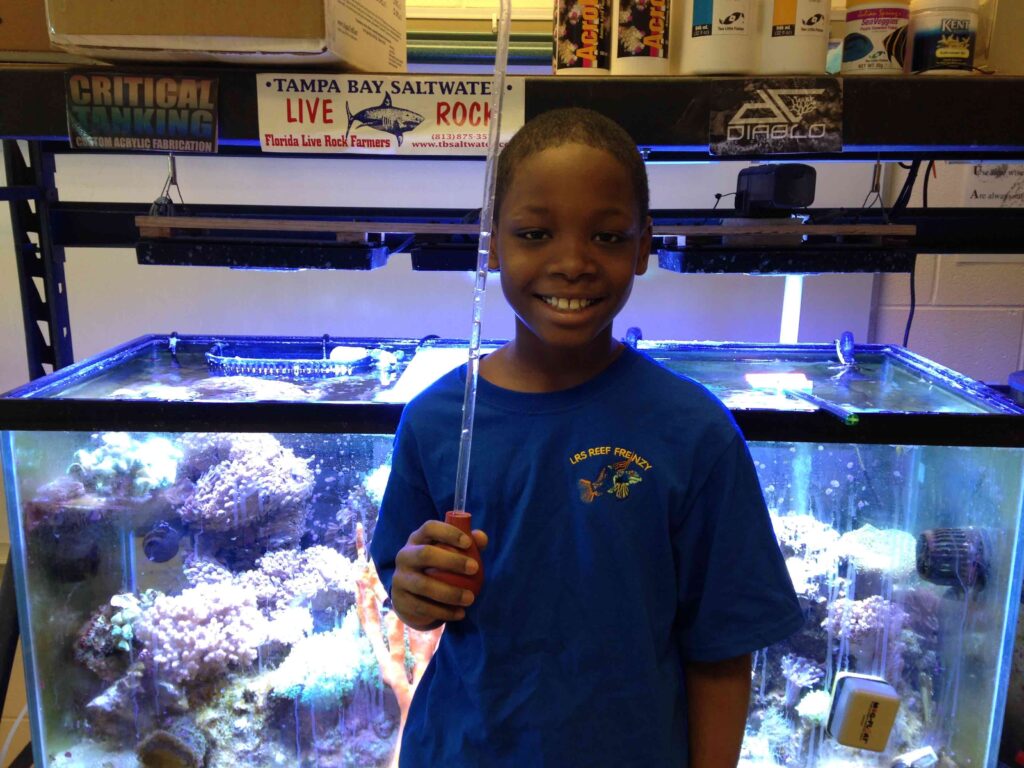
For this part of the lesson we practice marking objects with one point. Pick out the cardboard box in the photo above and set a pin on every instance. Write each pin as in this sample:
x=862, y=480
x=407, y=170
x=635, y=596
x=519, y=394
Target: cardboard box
x=362, y=35
x=23, y=26
x=24, y=37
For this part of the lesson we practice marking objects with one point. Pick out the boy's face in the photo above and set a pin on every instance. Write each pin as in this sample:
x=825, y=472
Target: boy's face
x=568, y=242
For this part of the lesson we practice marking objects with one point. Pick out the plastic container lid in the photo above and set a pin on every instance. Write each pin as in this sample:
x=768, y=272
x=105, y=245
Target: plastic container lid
x=850, y=4
x=967, y=6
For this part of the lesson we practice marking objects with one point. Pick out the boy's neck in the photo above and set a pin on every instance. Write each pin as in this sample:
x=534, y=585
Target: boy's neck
x=525, y=365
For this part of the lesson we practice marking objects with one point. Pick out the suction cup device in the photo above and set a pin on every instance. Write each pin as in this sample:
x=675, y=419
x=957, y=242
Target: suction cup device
x=848, y=369
x=172, y=347
x=863, y=711
x=953, y=557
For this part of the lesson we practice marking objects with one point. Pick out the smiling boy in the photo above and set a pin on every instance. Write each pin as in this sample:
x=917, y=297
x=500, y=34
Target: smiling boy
x=630, y=566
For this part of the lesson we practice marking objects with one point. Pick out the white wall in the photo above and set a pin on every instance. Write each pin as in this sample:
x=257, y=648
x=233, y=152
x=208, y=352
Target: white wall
x=113, y=299
x=970, y=308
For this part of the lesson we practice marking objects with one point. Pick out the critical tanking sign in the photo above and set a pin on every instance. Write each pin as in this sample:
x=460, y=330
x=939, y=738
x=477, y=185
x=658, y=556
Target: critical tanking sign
x=141, y=112
x=777, y=115
x=381, y=114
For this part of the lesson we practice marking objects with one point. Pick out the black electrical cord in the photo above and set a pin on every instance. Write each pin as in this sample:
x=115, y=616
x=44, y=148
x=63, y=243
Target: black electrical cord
x=719, y=196
x=903, y=199
x=928, y=171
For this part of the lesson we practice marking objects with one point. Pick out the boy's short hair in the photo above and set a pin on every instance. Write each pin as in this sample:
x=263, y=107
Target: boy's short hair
x=572, y=125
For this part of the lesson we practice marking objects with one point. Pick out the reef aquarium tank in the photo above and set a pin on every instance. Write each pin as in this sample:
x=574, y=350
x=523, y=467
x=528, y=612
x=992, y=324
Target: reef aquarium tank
x=189, y=518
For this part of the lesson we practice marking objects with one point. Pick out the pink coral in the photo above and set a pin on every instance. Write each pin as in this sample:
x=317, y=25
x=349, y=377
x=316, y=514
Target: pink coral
x=318, y=576
x=856, y=619
x=201, y=634
x=259, y=479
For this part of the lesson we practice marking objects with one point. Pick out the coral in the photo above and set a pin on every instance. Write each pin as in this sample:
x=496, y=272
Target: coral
x=803, y=535
x=814, y=707
x=889, y=551
x=324, y=669
x=124, y=466
x=246, y=388
x=201, y=634
x=199, y=571
x=388, y=635
x=129, y=608
x=96, y=647
x=857, y=619
x=258, y=480
x=318, y=577
x=179, y=745
x=800, y=673
x=807, y=545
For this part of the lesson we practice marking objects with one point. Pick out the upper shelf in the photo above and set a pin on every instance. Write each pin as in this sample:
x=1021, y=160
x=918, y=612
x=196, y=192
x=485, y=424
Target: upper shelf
x=930, y=117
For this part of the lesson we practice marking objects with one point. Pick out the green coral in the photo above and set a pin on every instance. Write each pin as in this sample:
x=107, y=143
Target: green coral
x=131, y=608
x=145, y=465
x=326, y=668
x=814, y=707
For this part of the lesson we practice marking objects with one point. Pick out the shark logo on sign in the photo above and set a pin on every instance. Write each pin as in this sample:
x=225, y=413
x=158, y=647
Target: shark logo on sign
x=778, y=113
x=385, y=117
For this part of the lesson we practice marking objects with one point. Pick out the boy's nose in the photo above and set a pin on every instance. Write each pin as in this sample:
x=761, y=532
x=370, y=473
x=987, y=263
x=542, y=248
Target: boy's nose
x=574, y=258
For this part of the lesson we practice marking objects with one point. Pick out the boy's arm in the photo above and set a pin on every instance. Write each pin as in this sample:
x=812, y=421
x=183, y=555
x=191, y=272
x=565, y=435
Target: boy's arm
x=718, y=695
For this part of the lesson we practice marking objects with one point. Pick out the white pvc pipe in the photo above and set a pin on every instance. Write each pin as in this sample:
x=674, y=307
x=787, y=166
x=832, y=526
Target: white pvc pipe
x=792, y=297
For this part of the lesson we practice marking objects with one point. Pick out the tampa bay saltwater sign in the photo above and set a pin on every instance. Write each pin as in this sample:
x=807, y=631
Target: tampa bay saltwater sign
x=382, y=114
x=141, y=112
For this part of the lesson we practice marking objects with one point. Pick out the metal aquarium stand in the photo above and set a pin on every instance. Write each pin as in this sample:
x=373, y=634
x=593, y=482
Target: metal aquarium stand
x=884, y=119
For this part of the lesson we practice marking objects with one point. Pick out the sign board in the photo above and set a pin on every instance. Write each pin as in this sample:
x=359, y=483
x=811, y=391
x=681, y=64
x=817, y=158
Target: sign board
x=382, y=114
x=766, y=116
x=994, y=185
x=123, y=111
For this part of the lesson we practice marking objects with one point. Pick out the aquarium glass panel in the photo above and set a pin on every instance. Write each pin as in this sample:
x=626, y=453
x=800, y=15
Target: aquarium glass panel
x=205, y=599
x=243, y=370
x=782, y=380
x=905, y=560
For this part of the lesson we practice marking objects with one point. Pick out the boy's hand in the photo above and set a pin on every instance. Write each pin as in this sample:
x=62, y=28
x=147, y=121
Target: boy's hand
x=423, y=602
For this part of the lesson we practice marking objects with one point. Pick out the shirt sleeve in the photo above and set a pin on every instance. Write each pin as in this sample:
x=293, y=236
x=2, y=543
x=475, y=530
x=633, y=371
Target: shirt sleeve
x=735, y=594
x=406, y=504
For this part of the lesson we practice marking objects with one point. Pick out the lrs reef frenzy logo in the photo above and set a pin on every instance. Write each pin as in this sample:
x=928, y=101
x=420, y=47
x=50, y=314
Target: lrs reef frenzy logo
x=618, y=473
x=776, y=115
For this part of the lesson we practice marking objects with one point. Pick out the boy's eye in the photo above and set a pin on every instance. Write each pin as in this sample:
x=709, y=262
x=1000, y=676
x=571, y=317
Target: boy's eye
x=610, y=238
x=533, y=234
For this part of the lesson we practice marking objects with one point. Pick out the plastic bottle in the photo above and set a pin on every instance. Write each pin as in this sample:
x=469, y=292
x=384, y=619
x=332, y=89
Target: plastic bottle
x=464, y=522
x=641, y=40
x=719, y=37
x=794, y=37
x=942, y=37
x=836, y=32
x=876, y=35
x=583, y=37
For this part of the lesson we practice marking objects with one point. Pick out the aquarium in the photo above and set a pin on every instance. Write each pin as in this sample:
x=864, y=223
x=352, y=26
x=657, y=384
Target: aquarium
x=189, y=518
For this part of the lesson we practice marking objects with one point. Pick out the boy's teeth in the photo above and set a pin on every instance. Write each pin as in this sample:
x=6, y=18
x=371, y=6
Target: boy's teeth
x=567, y=304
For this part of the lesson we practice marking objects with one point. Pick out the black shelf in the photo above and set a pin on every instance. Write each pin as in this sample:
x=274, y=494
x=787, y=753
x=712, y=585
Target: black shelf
x=934, y=117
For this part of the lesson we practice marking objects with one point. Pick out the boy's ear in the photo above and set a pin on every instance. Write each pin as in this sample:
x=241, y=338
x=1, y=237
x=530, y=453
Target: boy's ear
x=645, y=247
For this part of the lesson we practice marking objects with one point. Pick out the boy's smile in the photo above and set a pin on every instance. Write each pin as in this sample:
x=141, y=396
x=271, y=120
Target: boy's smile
x=569, y=240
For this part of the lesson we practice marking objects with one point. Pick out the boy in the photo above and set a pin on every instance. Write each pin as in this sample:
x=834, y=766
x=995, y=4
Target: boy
x=630, y=566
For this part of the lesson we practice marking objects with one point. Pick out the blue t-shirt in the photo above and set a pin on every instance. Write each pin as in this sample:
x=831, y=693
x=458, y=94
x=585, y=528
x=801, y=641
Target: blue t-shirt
x=628, y=535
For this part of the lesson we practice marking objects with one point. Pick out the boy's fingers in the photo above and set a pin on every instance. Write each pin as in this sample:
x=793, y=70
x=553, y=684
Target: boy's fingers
x=423, y=586
x=419, y=558
x=436, y=532
x=481, y=539
x=427, y=611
